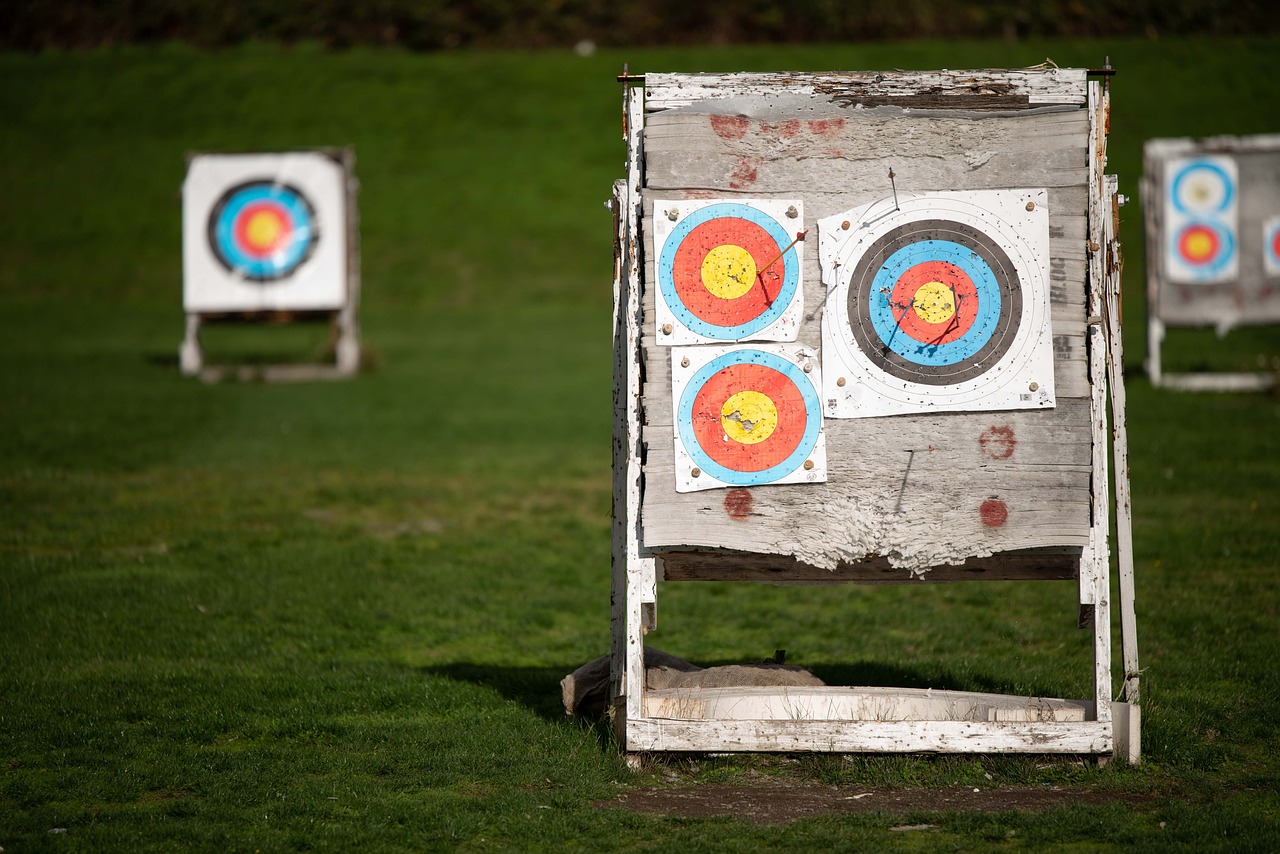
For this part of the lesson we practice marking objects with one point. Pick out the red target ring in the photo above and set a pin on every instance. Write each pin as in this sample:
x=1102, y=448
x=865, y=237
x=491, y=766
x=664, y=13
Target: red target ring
x=935, y=289
x=708, y=416
x=764, y=288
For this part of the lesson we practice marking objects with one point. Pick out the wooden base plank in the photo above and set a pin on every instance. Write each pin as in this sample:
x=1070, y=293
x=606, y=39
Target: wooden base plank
x=668, y=735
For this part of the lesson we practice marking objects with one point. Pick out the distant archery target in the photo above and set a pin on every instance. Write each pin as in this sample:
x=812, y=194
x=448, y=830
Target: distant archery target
x=1271, y=246
x=263, y=230
x=1200, y=222
x=938, y=303
x=747, y=416
x=728, y=271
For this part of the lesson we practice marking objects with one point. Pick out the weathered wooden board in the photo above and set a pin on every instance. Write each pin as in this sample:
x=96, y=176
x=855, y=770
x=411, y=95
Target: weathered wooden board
x=916, y=491
x=990, y=88
x=827, y=703
x=664, y=734
x=852, y=155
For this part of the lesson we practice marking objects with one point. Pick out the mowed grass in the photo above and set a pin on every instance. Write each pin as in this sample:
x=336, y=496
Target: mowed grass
x=319, y=616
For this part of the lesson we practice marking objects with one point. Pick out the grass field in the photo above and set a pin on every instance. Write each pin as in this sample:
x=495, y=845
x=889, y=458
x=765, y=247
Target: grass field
x=250, y=617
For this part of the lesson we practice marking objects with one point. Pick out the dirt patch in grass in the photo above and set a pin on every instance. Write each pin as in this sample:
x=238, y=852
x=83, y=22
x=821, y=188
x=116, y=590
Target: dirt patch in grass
x=780, y=803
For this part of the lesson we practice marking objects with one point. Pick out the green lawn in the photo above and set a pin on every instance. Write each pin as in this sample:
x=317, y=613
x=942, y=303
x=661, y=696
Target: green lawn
x=321, y=616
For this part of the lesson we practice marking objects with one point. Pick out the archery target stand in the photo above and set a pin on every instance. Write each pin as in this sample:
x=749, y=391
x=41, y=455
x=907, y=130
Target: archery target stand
x=1212, y=212
x=867, y=330
x=271, y=238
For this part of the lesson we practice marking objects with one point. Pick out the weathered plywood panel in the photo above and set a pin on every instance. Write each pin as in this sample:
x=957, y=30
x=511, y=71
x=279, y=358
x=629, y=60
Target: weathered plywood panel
x=915, y=491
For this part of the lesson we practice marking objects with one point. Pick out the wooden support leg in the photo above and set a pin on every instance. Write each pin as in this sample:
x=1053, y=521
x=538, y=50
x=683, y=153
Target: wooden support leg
x=190, y=356
x=348, y=344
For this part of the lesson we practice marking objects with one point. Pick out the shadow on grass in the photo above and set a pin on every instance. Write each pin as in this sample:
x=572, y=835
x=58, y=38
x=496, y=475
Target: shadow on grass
x=537, y=688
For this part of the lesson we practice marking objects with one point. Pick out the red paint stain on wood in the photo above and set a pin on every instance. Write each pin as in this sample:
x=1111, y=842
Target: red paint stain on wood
x=785, y=130
x=994, y=512
x=744, y=174
x=737, y=503
x=998, y=442
x=825, y=127
x=729, y=127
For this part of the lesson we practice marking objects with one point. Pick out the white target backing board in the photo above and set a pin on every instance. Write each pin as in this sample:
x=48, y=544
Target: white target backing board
x=747, y=415
x=935, y=303
x=1271, y=247
x=1201, y=220
x=264, y=232
x=728, y=270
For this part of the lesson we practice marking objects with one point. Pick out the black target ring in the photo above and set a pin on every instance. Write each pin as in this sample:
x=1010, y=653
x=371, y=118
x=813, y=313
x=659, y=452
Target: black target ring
x=876, y=317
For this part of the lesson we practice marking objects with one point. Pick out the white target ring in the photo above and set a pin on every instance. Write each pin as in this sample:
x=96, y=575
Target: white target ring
x=936, y=303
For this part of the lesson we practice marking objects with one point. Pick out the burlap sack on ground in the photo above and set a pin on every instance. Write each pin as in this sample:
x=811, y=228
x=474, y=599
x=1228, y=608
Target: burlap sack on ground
x=585, y=691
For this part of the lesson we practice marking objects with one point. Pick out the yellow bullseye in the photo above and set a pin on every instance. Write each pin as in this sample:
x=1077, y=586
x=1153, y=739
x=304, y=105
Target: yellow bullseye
x=263, y=230
x=1198, y=245
x=728, y=271
x=749, y=417
x=934, y=302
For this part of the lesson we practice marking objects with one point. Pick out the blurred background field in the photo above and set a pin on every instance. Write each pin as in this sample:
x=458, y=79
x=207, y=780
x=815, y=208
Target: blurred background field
x=272, y=617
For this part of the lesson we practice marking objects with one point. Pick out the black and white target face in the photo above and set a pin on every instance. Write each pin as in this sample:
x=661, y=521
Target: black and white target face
x=938, y=303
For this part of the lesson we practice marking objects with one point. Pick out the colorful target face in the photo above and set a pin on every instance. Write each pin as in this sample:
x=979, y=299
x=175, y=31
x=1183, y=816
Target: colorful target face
x=728, y=270
x=747, y=416
x=938, y=303
x=1271, y=246
x=1201, y=220
x=264, y=232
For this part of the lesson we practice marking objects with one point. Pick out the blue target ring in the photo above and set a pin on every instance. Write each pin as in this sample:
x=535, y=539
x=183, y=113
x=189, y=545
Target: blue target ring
x=809, y=432
x=1203, y=170
x=292, y=229
x=886, y=321
x=675, y=243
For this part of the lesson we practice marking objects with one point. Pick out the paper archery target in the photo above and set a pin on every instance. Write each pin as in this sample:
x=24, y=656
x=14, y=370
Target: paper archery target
x=264, y=232
x=728, y=271
x=938, y=303
x=1201, y=220
x=747, y=416
x=1271, y=246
